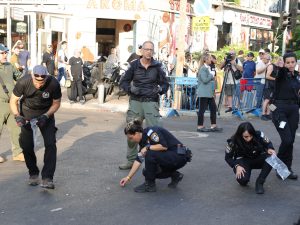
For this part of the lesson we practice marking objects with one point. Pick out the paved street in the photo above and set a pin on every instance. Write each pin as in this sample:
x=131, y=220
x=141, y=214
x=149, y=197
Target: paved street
x=91, y=145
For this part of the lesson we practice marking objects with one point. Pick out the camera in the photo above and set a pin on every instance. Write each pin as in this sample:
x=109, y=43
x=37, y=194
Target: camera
x=228, y=58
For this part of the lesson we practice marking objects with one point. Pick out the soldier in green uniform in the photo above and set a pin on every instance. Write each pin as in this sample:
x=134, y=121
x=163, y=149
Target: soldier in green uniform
x=8, y=75
x=144, y=81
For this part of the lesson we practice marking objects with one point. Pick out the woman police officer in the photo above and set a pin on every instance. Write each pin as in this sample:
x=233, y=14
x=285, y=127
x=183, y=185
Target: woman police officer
x=247, y=149
x=285, y=114
x=163, y=155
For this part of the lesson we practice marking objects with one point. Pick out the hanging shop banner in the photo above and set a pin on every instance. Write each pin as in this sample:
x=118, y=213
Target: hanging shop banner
x=201, y=23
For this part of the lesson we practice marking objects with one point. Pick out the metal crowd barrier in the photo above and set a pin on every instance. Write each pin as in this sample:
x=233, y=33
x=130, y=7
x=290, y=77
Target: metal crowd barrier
x=248, y=97
x=187, y=88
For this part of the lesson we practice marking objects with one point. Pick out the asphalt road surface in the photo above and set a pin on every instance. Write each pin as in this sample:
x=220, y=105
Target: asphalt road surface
x=91, y=145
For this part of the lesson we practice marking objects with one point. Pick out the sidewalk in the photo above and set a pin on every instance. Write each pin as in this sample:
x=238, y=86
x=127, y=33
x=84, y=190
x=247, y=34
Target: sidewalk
x=113, y=104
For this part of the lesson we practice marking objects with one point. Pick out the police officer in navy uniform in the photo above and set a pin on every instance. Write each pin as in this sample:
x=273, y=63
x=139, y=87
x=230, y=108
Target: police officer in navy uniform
x=285, y=115
x=247, y=149
x=162, y=152
x=41, y=95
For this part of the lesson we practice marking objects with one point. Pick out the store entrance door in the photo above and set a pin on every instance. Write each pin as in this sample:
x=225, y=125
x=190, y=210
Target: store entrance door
x=44, y=39
x=125, y=45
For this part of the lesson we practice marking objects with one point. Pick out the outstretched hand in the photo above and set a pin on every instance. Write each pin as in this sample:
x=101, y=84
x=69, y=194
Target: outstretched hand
x=124, y=181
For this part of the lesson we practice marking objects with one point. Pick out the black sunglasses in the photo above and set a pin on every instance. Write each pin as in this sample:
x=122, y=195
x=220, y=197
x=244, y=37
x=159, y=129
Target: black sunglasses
x=41, y=76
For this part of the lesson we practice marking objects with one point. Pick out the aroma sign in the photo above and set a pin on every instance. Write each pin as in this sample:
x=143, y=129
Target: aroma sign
x=127, y=5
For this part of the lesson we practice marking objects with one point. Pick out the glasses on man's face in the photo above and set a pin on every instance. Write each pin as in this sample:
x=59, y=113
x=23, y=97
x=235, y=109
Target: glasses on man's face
x=148, y=49
x=3, y=53
x=41, y=76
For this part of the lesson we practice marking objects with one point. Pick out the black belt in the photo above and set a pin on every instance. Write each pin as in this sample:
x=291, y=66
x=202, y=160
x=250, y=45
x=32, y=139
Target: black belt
x=144, y=99
x=286, y=102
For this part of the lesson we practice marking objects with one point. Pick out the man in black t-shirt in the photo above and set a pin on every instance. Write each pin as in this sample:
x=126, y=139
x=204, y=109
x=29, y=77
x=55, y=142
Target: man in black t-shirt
x=41, y=99
x=48, y=60
x=76, y=76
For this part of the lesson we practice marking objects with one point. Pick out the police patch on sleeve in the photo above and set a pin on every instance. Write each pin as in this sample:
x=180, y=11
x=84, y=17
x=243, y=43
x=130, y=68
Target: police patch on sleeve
x=264, y=137
x=228, y=149
x=154, y=137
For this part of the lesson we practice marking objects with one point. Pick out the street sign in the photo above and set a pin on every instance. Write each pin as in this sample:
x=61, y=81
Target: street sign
x=201, y=23
x=17, y=14
x=202, y=7
x=21, y=27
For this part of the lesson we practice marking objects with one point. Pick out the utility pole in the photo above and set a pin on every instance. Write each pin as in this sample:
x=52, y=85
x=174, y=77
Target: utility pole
x=286, y=9
x=180, y=52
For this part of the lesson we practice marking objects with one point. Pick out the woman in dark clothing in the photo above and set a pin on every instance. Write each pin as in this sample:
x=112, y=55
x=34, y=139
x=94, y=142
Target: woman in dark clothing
x=163, y=153
x=247, y=149
x=285, y=115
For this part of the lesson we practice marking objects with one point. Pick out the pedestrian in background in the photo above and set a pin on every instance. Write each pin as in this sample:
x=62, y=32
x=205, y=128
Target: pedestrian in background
x=247, y=149
x=205, y=92
x=8, y=76
x=230, y=65
x=144, y=81
x=285, y=114
x=14, y=59
x=48, y=60
x=62, y=60
x=24, y=58
x=76, y=76
x=41, y=95
x=271, y=74
x=163, y=155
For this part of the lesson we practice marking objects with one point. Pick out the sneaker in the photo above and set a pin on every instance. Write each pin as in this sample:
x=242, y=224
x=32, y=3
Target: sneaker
x=259, y=187
x=47, y=183
x=2, y=160
x=269, y=117
x=19, y=157
x=292, y=176
x=126, y=166
x=216, y=129
x=72, y=102
x=175, y=179
x=228, y=110
x=148, y=186
x=264, y=118
x=33, y=180
x=82, y=102
x=203, y=129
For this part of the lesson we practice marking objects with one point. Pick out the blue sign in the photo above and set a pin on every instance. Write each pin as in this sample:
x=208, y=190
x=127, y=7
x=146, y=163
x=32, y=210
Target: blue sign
x=202, y=7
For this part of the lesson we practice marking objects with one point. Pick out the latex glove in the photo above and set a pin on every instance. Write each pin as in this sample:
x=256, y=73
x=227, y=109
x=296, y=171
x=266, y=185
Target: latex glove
x=20, y=121
x=42, y=120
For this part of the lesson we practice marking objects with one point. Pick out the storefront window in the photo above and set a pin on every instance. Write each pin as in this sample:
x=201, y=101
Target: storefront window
x=260, y=39
x=3, y=31
x=20, y=30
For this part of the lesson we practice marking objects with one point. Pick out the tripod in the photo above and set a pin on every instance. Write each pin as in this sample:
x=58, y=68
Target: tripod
x=227, y=69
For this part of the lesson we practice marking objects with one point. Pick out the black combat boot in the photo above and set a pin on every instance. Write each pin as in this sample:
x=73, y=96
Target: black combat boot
x=259, y=186
x=175, y=179
x=292, y=176
x=148, y=186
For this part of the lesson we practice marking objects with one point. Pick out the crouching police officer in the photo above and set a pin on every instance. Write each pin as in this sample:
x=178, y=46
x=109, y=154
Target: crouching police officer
x=247, y=149
x=41, y=99
x=162, y=152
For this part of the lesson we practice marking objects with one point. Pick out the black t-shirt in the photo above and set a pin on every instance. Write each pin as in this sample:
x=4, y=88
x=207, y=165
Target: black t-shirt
x=36, y=102
x=76, y=67
x=48, y=59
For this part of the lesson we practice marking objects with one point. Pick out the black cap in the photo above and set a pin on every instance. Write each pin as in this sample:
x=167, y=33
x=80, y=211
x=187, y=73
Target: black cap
x=3, y=48
x=250, y=54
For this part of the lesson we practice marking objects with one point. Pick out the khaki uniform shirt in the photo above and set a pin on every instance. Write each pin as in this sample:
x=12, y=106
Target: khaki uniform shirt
x=9, y=75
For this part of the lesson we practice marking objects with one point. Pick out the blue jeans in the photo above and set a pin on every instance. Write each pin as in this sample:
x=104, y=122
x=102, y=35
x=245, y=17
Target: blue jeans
x=61, y=73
